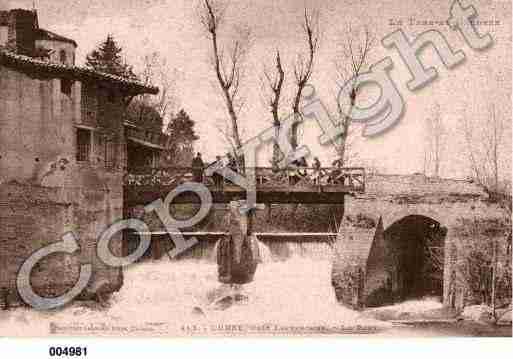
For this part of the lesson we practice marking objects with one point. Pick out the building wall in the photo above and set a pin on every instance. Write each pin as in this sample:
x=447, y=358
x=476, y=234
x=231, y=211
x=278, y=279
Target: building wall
x=33, y=131
x=44, y=191
x=58, y=46
x=103, y=110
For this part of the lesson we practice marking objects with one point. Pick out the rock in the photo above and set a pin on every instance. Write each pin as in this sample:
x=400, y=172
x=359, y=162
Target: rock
x=478, y=313
x=214, y=294
x=197, y=311
x=222, y=297
x=228, y=301
x=505, y=317
x=231, y=270
x=240, y=298
x=223, y=303
x=237, y=254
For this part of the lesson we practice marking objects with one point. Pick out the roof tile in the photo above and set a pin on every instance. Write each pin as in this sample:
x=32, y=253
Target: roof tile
x=11, y=59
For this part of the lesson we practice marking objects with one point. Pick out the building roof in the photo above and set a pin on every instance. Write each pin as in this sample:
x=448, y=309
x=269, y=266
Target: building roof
x=42, y=34
x=26, y=63
x=145, y=137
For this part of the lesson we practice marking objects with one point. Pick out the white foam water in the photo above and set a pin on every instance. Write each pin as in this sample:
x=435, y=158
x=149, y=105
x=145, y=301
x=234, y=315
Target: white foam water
x=182, y=298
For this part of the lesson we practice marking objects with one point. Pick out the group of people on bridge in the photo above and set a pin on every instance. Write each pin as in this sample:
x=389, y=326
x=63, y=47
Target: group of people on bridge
x=198, y=168
x=296, y=171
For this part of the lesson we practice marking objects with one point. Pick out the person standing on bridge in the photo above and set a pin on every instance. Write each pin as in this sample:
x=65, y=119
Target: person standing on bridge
x=336, y=173
x=232, y=163
x=302, y=167
x=197, y=168
x=316, y=176
x=218, y=178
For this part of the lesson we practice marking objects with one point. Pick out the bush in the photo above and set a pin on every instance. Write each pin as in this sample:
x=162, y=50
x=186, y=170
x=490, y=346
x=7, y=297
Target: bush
x=474, y=265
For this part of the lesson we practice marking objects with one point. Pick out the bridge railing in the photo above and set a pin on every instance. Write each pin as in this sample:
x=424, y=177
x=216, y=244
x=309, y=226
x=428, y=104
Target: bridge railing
x=267, y=178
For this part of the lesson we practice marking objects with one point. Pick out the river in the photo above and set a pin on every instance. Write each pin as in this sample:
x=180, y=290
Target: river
x=184, y=298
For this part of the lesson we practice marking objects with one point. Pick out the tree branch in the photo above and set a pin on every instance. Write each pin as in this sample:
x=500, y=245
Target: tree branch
x=303, y=69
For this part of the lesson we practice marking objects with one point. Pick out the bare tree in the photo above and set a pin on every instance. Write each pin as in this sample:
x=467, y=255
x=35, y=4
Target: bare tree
x=303, y=67
x=228, y=64
x=353, y=62
x=434, y=142
x=274, y=82
x=484, y=152
x=225, y=132
x=156, y=72
x=484, y=156
x=150, y=112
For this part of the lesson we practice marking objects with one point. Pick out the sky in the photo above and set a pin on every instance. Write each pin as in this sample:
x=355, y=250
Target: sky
x=171, y=28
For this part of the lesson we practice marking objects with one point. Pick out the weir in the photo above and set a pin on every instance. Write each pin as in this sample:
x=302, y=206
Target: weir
x=273, y=246
x=238, y=250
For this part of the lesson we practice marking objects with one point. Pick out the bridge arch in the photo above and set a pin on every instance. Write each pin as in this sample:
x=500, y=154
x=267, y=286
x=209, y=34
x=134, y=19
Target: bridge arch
x=396, y=214
x=406, y=260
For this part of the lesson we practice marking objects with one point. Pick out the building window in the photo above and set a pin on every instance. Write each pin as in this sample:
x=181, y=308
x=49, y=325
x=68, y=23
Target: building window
x=110, y=154
x=62, y=57
x=4, y=35
x=89, y=105
x=83, y=145
x=66, y=86
x=156, y=159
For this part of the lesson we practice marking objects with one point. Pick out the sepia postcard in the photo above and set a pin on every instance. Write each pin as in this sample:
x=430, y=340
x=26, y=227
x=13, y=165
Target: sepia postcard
x=270, y=168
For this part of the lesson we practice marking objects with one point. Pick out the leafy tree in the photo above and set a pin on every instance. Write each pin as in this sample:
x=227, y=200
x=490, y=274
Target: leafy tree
x=107, y=58
x=181, y=138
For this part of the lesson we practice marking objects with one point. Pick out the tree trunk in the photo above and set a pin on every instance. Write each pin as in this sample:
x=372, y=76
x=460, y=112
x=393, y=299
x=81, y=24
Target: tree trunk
x=494, y=275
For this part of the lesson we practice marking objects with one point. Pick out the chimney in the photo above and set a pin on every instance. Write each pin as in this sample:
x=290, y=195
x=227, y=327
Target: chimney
x=22, y=31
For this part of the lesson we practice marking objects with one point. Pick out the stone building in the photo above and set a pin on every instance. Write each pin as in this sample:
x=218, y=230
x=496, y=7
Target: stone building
x=402, y=239
x=63, y=152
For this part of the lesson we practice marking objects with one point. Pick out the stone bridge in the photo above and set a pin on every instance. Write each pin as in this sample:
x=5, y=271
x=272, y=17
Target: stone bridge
x=398, y=240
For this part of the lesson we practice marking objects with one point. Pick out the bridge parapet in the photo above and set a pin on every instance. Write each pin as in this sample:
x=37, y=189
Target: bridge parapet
x=289, y=185
x=347, y=179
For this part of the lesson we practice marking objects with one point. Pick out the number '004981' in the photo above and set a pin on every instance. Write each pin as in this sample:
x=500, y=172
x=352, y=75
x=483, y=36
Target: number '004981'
x=68, y=351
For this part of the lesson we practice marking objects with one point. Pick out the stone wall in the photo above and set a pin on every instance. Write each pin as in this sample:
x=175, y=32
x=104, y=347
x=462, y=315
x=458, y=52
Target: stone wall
x=33, y=217
x=44, y=192
x=393, y=198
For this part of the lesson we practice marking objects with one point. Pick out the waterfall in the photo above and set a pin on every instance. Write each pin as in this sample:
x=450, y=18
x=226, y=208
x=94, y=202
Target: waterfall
x=285, y=250
x=311, y=250
x=163, y=295
x=263, y=251
x=269, y=251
